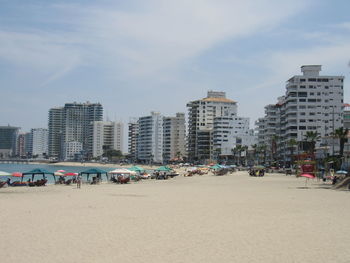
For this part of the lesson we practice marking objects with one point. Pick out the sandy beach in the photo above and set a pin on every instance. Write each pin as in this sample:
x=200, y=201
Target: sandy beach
x=234, y=218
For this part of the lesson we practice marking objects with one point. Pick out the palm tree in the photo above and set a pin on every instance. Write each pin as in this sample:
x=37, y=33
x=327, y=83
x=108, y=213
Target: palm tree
x=238, y=149
x=292, y=143
x=311, y=137
x=342, y=135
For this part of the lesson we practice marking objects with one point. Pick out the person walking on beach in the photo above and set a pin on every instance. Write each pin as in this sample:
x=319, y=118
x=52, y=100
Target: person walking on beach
x=79, y=178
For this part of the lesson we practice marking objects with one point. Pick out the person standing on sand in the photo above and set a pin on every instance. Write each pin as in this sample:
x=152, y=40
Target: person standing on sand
x=79, y=178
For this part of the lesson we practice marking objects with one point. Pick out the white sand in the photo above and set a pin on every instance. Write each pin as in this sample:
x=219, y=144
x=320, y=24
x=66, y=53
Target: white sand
x=233, y=218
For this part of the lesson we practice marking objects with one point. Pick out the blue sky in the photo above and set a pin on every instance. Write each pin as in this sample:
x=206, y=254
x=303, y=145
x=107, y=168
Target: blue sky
x=137, y=56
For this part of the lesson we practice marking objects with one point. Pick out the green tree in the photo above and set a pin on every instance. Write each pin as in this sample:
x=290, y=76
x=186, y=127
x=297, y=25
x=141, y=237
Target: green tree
x=342, y=135
x=311, y=137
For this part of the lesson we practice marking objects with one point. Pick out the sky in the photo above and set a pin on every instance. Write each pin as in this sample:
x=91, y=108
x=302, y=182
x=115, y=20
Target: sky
x=139, y=56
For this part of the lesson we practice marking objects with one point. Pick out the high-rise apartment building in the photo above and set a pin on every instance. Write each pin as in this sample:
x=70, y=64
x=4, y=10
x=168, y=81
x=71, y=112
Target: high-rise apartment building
x=39, y=142
x=107, y=135
x=133, y=131
x=8, y=141
x=228, y=132
x=72, y=123
x=202, y=114
x=174, y=137
x=55, y=127
x=312, y=103
x=150, y=138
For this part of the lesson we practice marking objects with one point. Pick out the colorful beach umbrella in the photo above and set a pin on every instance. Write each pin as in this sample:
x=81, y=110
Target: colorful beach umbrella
x=17, y=174
x=341, y=172
x=311, y=176
x=71, y=174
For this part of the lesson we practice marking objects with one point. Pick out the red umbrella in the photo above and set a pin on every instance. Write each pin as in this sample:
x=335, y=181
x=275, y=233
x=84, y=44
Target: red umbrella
x=17, y=174
x=311, y=176
x=60, y=171
x=71, y=174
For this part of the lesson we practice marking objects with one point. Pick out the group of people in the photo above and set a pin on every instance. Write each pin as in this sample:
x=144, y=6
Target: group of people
x=257, y=172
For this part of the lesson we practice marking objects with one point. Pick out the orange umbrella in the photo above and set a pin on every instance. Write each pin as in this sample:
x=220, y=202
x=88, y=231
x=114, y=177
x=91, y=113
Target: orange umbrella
x=17, y=174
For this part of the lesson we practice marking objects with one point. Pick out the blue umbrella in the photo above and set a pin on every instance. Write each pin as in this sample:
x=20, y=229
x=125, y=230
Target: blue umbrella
x=341, y=172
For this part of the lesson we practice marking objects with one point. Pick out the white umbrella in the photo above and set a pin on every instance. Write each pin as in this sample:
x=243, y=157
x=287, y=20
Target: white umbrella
x=2, y=173
x=122, y=171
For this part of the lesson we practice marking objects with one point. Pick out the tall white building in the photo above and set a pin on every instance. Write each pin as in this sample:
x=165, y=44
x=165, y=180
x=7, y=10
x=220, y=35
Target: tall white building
x=108, y=135
x=312, y=103
x=228, y=132
x=150, y=138
x=174, y=137
x=39, y=142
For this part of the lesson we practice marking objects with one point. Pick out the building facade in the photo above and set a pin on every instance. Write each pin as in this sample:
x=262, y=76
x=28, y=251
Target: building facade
x=312, y=103
x=8, y=141
x=72, y=123
x=107, y=135
x=55, y=127
x=39, y=142
x=133, y=131
x=174, y=137
x=201, y=116
x=150, y=138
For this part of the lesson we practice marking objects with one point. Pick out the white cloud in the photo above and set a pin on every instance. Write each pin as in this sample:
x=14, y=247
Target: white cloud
x=139, y=41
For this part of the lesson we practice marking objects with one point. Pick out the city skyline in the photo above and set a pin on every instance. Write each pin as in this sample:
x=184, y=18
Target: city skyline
x=138, y=57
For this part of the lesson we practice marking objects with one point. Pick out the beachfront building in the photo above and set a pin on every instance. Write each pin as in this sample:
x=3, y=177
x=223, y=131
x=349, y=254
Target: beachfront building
x=72, y=123
x=346, y=116
x=201, y=116
x=133, y=131
x=174, y=138
x=8, y=141
x=150, y=138
x=312, y=103
x=228, y=133
x=107, y=135
x=55, y=127
x=38, y=142
x=72, y=151
x=21, y=145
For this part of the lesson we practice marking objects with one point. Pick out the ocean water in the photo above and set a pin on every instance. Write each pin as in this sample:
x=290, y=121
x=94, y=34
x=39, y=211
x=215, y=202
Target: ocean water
x=11, y=168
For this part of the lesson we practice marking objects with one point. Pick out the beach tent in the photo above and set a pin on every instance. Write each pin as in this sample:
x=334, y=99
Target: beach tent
x=96, y=171
x=38, y=171
x=2, y=173
x=217, y=166
x=136, y=169
x=163, y=169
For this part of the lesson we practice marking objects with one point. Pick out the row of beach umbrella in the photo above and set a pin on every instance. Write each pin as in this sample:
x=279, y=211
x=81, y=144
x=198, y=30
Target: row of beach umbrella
x=131, y=171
